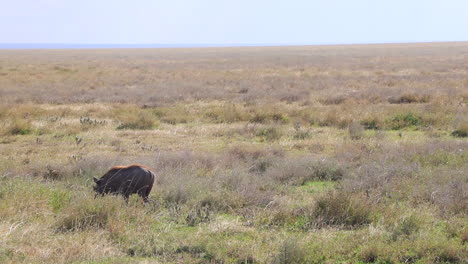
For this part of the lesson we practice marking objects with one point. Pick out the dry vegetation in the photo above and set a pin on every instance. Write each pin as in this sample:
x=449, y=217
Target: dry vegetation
x=339, y=154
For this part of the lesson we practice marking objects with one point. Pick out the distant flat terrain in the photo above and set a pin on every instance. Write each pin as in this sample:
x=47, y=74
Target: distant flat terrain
x=295, y=73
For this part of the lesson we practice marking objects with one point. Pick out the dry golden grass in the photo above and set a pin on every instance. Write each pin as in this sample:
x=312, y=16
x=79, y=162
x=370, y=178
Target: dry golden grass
x=410, y=73
x=263, y=155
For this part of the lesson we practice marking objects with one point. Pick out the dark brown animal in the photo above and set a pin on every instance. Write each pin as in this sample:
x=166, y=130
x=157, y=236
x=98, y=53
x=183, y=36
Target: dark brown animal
x=126, y=180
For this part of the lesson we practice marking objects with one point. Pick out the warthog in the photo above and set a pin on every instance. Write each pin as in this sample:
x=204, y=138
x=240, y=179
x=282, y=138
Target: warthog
x=126, y=180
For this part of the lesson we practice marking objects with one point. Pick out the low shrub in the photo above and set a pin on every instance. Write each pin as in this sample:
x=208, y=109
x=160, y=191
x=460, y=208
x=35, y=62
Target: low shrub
x=449, y=253
x=371, y=123
x=173, y=115
x=332, y=118
x=461, y=131
x=226, y=114
x=341, y=209
x=403, y=121
x=290, y=251
x=269, y=133
x=138, y=120
x=356, y=130
x=333, y=100
x=406, y=226
x=133, y=117
x=369, y=255
x=264, y=117
x=297, y=171
x=18, y=127
x=410, y=98
x=300, y=133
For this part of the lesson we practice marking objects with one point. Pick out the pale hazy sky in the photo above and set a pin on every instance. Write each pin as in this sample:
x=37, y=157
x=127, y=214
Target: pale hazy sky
x=230, y=22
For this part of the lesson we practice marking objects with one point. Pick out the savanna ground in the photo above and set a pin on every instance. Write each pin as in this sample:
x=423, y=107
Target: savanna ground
x=338, y=154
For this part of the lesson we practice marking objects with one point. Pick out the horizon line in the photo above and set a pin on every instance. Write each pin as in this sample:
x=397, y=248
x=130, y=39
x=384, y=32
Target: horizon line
x=39, y=45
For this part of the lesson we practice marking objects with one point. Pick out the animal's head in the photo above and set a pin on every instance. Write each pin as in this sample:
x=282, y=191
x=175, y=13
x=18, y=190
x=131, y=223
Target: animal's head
x=99, y=187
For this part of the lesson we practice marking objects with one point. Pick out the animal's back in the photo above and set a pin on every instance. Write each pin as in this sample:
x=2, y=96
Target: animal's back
x=128, y=180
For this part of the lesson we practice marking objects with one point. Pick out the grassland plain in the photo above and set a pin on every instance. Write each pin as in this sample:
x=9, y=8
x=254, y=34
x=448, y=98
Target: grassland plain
x=320, y=154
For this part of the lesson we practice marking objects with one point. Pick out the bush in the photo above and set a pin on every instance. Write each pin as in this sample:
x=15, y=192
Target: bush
x=371, y=123
x=264, y=117
x=327, y=171
x=300, y=133
x=226, y=114
x=406, y=227
x=461, y=131
x=404, y=120
x=279, y=118
x=333, y=119
x=410, y=98
x=135, y=118
x=369, y=254
x=173, y=115
x=18, y=127
x=290, y=251
x=259, y=118
x=271, y=133
x=448, y=253
x=356, y=131
x=297, y=171
x=341, y=209
x=333, y=100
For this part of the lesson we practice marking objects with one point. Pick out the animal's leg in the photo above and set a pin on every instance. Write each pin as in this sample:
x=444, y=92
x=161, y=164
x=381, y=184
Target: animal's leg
x=148, y=190
x=144, y=194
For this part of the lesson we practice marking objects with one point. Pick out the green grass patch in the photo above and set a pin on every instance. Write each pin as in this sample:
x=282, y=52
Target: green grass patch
x=59, y=199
